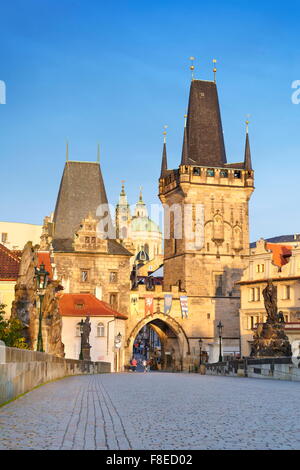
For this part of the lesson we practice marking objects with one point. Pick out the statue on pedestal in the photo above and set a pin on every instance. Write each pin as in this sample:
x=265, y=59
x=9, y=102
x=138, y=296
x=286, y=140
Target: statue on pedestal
x=270, y=339
x=85, y=335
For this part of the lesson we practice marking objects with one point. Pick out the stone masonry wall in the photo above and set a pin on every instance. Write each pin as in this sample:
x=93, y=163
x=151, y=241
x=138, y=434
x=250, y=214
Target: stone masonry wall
x=22, y=370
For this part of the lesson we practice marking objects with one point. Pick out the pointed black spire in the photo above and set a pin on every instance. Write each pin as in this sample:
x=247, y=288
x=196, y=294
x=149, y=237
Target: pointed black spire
x=184, y=155
x=164, y=163
x=205, y=142
x=247, y=160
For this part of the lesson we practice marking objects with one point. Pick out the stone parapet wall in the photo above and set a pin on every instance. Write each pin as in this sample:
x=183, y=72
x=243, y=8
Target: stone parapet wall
x=265, y=368
x=22, y=370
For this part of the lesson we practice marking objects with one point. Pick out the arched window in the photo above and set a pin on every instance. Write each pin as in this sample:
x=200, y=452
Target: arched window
x=146, y=248
x=100, y=329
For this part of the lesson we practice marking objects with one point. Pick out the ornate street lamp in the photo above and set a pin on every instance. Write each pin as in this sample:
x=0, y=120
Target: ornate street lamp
x=81, y=323
x=200, y=349
x=220, y=329
x=41, y=278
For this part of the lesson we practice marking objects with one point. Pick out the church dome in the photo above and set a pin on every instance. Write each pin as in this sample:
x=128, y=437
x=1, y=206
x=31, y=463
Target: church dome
x=143, y=224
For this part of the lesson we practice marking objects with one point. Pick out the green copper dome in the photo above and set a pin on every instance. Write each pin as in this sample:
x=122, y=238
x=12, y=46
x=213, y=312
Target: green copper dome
x=144, y=224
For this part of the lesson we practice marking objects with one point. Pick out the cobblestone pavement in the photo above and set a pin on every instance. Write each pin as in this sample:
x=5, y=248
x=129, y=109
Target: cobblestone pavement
x=154, y=411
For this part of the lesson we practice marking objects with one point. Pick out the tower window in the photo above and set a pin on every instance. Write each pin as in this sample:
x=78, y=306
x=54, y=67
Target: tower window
x=4, y=237
x=237, y=174
x=113, y=277
x=197, y=171
x=84, y=275
x=219, y=285
x=210, y=172
x=224, y=173
x=113, y=300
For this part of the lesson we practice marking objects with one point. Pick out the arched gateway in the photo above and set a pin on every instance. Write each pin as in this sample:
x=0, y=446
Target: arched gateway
x=175, y=345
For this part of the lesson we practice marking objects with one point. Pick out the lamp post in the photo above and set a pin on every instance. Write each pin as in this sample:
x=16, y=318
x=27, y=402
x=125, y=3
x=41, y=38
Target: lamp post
x=200, y=349
x=220, y=329
x=42, y=278
x=81, y=323
x=118, y=344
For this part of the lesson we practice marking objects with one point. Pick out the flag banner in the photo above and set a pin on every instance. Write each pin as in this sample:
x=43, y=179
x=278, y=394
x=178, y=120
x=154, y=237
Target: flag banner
x=134, y=304
x=149, y=304
x=184, y=306
x=168, y=303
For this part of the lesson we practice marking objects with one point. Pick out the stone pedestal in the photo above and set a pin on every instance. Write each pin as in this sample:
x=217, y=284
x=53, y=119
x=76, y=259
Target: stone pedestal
x=270, y=340
x=86, y=352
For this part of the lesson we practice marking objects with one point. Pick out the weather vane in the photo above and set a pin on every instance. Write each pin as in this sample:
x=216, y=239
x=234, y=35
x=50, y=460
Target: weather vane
x=215, y=70
x=165, y=133
x=192, y=67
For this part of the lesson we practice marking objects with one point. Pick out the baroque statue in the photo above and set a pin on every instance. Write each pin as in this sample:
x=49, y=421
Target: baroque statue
x=270, y=339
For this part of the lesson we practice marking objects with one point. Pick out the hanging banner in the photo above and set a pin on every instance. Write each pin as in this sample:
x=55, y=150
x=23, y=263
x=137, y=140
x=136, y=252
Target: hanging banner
x=184, y=306
x=168, y=303
x=149, y=304
x=134, y=304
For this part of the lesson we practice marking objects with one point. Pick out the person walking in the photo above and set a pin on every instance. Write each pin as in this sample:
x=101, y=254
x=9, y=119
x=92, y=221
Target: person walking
x=133, y=364
x=144, y=364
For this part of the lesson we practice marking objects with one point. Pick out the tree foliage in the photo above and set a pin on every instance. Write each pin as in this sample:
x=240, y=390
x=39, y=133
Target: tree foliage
x=11, y=331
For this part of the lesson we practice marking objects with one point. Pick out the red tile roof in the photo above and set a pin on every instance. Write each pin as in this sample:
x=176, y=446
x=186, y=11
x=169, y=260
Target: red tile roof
x=9, y=264
x=44, y=257
x=83, y=305
x=281, y=253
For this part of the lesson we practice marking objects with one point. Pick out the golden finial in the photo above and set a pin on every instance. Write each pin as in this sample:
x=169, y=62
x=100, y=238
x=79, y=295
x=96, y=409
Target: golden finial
x=247, y=123
x=185, y=118
x=215, y=70
x=67, y=151
x=165, y=133
x=98, y=153
x=192, y=67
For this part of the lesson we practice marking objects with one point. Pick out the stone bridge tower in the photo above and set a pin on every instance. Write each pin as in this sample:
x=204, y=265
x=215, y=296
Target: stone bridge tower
x=205, y=200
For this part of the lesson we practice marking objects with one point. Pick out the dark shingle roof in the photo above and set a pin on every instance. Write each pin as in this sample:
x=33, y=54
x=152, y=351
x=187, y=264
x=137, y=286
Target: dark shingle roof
x=9, y=264
x=81, y=192
x=205, y=142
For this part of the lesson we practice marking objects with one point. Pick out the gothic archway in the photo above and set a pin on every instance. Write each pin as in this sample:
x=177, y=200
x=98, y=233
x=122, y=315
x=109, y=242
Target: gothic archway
x=173, y=340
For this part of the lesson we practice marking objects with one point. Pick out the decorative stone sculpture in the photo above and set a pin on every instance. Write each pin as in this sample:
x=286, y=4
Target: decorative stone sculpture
x=24, y=306
x=85, y=336
x=270, y=339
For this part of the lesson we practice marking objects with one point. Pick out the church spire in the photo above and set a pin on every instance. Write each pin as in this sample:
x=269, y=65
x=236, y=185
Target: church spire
x=164, y=163
x=247, y=160
x=184, y=156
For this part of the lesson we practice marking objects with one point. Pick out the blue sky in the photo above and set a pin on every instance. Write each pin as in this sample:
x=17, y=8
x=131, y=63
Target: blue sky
x=116, y=72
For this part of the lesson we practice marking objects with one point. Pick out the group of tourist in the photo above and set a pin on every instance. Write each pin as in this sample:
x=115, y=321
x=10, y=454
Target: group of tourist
x=145, y=363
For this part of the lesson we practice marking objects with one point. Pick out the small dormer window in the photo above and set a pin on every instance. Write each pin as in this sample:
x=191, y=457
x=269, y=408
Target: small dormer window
x=79, y=306
x=210, y=172
x=237, y=174
x=197, y=171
